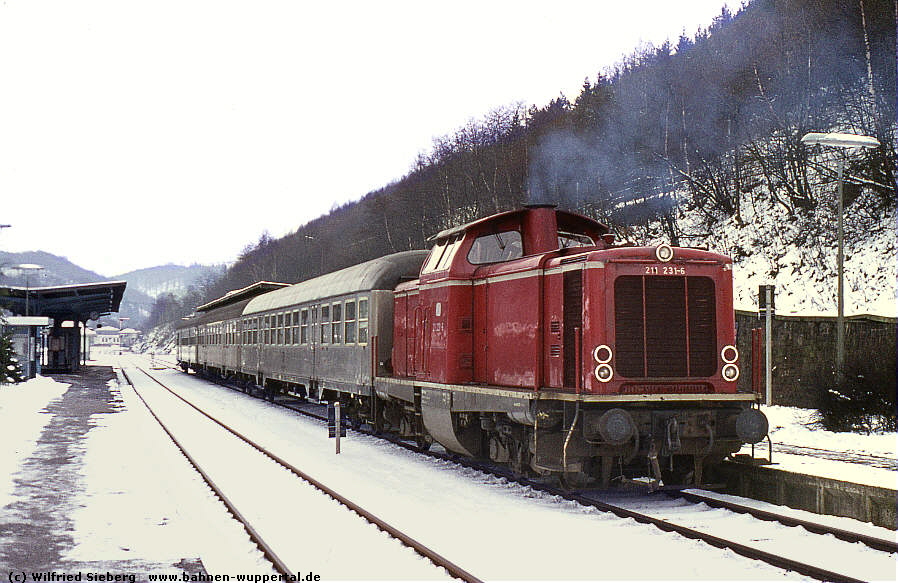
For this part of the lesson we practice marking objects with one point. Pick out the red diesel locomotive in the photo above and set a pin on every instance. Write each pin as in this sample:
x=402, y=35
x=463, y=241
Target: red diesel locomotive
x=528, y=337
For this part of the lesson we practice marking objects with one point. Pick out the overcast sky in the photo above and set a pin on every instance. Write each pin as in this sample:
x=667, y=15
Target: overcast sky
x=135, y=134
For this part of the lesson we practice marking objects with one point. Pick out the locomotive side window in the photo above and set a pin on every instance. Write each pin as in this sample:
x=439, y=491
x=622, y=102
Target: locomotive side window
x=325, y=324
x=496, y=247
x=451, y=247
x=349, y=328
x=434, y=258
x=337, y=323
x=363, y=321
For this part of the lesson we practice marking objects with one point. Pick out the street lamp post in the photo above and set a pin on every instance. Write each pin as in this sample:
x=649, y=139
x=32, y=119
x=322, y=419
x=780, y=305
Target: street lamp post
x=840, y=140
x=28, y=268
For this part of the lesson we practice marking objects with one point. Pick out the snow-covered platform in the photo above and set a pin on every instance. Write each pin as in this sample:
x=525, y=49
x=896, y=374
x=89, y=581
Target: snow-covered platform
x=814, y=483
x=74, y=485
x=814, y=493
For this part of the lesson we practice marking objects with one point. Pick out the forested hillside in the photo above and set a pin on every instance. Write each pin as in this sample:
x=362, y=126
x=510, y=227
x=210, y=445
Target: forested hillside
x=700, y=128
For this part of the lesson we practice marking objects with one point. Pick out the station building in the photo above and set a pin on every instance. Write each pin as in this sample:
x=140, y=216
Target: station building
x=58, y=342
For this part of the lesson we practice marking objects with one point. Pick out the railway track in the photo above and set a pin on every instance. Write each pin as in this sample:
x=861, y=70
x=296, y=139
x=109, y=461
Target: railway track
x=647, y=510
x=282, y=555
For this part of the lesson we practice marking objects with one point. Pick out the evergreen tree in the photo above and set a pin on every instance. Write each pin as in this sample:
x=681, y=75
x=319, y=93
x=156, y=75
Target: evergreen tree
x=10, y=371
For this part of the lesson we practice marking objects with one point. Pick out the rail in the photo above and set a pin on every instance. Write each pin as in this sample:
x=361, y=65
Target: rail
x=426, y=552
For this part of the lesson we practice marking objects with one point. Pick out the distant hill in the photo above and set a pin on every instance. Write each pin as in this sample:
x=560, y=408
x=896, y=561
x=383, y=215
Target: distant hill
x=169, y=279
x=57, y=270
x=144, y=285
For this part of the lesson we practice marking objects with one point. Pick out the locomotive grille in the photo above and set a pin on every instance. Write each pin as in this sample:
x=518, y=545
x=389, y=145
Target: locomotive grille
x=665, y=326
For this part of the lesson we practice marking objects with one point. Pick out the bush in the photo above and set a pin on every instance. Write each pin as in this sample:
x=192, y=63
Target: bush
x=864, y=401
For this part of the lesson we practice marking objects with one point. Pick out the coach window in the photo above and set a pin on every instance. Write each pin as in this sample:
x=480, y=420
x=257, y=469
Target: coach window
x=304, y=326
x=349, y=328
x=325, y=324
x=363, y=321
x=281, y=329
x=337, y=323
x=496, y=247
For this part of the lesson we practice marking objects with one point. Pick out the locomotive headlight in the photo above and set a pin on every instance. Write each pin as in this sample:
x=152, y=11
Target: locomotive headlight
x=604, y=373
x=664, y=253
x=602, y=354
x=730, y=372
x=729, y=354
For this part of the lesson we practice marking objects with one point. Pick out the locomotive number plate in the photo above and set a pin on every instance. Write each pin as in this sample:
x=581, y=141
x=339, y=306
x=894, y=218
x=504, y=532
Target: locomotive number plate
x=664, y=270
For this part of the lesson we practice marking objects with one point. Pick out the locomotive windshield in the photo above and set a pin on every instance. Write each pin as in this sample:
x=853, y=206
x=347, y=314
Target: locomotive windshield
x=496, y=247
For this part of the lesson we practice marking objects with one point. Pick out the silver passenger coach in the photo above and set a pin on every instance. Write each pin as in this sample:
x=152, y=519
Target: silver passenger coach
x=331, y=332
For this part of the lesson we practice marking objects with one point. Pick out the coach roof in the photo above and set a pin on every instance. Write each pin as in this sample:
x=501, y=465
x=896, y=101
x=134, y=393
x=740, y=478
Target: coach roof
x=383, y=273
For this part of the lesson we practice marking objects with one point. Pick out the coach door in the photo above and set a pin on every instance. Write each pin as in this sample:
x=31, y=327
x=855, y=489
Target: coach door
x=314, y=340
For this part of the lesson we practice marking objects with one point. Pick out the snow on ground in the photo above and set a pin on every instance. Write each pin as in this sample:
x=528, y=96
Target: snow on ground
x=140, y=500
x=795, y=426
x=485, y=524
x=22, y=419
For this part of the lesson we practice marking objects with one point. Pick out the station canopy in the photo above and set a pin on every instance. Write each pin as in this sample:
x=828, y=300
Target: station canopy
x=77, y=302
